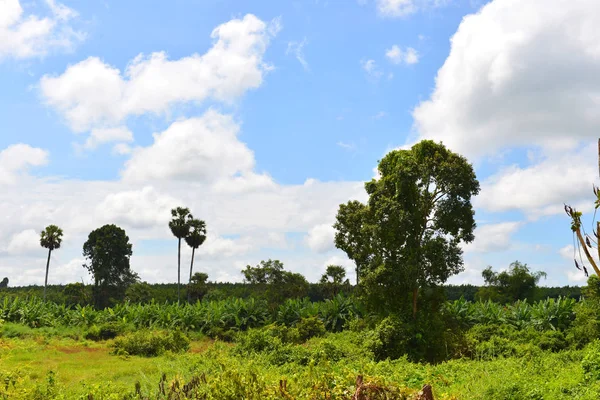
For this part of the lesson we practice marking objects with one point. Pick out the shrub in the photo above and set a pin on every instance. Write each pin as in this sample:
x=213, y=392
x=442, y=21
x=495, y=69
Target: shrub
x=151, y=343
x=108, y=330
x=552, y=340
x=591, y=362
x=389, y=339
x=258, y=340
x=310, y=327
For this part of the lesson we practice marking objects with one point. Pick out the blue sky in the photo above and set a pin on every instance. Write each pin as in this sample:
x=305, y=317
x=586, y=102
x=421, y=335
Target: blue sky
x=263, y=116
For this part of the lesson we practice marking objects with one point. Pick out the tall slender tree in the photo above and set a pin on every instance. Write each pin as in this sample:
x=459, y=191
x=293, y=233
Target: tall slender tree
x=180, y=227
x=196, y=237
x=50, y=238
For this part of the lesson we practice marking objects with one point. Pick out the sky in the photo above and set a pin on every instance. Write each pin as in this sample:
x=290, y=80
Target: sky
x=262, y=117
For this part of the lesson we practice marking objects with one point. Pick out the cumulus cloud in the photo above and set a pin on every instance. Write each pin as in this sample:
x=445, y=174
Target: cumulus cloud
x=17, y=158
x=143, y=208
x=92, y=94
x=519, y=73
x=492, y=237
x=542, y=188
x=26, y=242
x=24, y=35
x=101, y=136
x=320, y=238
x=398, y=56
x=204, y=149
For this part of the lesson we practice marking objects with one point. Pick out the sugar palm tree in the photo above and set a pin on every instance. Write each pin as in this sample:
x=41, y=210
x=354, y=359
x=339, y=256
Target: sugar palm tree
x=180, y=227
x=195, y=239
x=50, y=238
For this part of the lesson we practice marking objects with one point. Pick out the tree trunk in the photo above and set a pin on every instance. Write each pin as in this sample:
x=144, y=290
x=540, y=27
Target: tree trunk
x=415, y=295
x=189, y=294
x=47, y=268
x=178, y=268
x=357, y=269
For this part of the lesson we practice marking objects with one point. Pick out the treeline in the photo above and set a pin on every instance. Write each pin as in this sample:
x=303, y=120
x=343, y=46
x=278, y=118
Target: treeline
x=167, y=292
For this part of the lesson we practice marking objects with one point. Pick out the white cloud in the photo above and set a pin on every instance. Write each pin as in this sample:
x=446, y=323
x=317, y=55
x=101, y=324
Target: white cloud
x=297, y=49
x=101, y=136
x=492, y=237
x=398, y=56
x=404, y=8
x=519, y=73
x=396, y=8
x=143, y=208
x=320, y=238
x=121, y=149
x=379, y=115
x=26, y=242
x=93, y=94
x=370, y=66
x=204, y=149
x=542, y=188
x=26, y=35
x=16, y=158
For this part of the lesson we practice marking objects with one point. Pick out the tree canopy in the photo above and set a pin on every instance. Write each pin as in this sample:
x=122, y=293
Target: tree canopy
x=407, y=236
x=108, y=252
x=51, y=239
x=517, y=283
x=275, y=283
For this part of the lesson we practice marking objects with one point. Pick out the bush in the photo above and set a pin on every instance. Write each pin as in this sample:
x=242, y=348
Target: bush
x=151, y=343
x=109, y=330
x=591, y=362
x=553, y=341
x=310, y=327
x=389, y=339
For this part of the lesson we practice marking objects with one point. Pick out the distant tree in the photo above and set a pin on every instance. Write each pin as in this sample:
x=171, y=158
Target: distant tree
x=334, y=279
x=274, y=282
x=75, y=293
x=195, y=239
x=109, y=251
x=180, y=228
x=4, y=283
x=197, y=288
x=139, y=292
x=50, y=238
x=518, y=283
x=407, y=237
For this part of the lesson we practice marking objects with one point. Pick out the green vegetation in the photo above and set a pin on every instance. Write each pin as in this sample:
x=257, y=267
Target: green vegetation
x=277, y=336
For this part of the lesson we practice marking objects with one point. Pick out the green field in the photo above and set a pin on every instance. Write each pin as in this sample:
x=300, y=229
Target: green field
x=237, y=349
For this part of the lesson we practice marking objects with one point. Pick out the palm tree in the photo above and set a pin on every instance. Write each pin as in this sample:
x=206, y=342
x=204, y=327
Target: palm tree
x=195, y=239
x=50, y=238
x=180, y=227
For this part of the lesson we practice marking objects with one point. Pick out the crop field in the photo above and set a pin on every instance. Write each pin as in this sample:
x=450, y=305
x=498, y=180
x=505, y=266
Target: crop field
x=239, y=349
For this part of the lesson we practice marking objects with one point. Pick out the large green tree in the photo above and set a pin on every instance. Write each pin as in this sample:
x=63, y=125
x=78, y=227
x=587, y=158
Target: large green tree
x=108, y=252
x=517, y=283
x=407, y=236
x=195, y=239
x=180, y=228
x=50, y=238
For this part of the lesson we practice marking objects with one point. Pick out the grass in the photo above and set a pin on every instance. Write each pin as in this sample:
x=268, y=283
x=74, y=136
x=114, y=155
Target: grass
x=55, y=366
